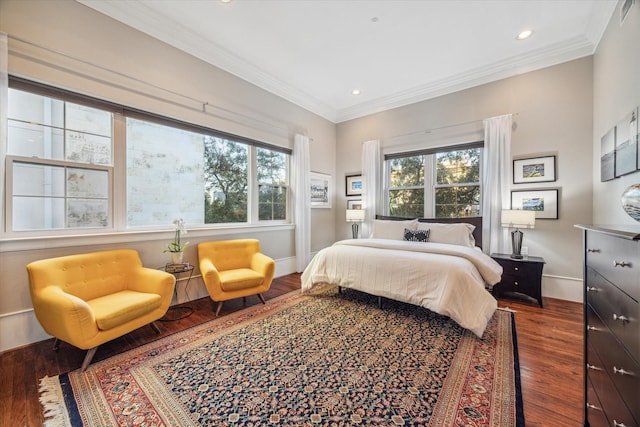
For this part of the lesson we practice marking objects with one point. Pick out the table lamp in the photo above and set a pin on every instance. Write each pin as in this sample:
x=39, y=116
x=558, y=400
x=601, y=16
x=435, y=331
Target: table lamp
x=355, y=216
x=517, y=219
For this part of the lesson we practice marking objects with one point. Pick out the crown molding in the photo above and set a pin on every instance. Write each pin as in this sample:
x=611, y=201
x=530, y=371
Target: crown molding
x=142, y=18
x=147, y=20
x=558, y=53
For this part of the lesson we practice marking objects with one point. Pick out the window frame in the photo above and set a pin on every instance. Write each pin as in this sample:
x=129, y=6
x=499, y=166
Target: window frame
x=430, y=176
x=286, y=185
x=118, y=170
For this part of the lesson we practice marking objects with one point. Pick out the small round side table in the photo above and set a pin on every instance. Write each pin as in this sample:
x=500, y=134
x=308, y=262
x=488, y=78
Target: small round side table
x=177, y=312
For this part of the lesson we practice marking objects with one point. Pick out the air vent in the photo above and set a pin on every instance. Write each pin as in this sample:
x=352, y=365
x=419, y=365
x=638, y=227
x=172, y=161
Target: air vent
x=624, y=9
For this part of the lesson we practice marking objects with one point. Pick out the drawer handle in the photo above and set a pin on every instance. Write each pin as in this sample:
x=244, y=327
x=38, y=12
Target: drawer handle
x=515, y=283
x=516, y=268
x=593, y=367
x=621, y=371
x=617, y=424
x=591, y=328
x=592, y=289
x=591, y=406
x=620, y=317
x=621, y=264
x=593, y=251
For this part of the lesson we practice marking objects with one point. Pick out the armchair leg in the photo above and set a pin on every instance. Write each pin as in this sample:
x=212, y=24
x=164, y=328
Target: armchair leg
x=87, y=359
x=219, y=308
x=262, y=298
x=56, y=344
x=154, y=327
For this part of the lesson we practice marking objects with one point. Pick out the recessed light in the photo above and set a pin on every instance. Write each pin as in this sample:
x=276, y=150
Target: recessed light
x=226, y=1
x=355, y=92
x=524, y=35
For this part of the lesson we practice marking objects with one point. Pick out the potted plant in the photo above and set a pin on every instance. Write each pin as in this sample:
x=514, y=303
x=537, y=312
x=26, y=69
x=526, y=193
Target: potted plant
x=177, y=247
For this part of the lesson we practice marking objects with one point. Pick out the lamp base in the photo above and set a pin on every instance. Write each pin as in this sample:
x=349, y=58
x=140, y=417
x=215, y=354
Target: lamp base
x=354, y=230
x=516, y=244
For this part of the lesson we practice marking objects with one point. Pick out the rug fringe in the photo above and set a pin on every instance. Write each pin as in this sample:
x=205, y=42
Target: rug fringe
x=52, y=400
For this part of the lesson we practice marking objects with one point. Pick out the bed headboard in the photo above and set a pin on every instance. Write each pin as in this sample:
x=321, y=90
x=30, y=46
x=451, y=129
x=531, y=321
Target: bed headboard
x=473, y=220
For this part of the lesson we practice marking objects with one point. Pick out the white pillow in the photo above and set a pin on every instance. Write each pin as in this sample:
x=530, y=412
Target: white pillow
x=460, y=233
x=389, y=229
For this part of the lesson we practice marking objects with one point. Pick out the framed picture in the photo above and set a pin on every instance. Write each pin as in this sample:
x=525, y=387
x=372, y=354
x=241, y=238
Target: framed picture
x=321, y=190
x=608, y=156
x=535, y=169
x=626, y=145
x=354, y=204
x=354, y=185
x=543, y=202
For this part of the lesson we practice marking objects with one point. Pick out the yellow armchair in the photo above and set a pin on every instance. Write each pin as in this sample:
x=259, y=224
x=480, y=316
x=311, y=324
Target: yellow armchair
x=234, y=268
x=89, y=299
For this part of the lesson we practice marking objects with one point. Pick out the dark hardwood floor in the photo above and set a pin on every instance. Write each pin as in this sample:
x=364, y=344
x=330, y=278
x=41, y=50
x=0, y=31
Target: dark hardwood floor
x=549, y=345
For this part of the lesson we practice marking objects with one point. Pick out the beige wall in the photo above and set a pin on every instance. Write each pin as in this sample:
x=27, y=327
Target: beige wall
x=554, y=117
x=616, y=91
x=150, y=75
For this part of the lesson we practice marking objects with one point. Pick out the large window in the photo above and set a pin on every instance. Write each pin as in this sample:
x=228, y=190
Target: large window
x=61, y=172
x=434, y=183
x=60, y=162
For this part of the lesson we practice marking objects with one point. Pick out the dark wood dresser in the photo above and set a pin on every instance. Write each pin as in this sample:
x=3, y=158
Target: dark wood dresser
x=612, y=325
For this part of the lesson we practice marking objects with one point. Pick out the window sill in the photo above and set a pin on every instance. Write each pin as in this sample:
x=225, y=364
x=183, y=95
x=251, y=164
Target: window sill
x=16, y=244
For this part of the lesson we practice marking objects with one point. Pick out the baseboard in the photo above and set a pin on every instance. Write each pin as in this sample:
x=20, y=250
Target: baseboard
x=564, y=288
x=19, y=329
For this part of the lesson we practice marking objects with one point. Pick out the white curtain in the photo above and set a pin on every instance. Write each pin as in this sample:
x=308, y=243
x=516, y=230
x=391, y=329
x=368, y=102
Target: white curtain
x=371, y=173
x=4, y=93
x=301, y=200
x=496, y=182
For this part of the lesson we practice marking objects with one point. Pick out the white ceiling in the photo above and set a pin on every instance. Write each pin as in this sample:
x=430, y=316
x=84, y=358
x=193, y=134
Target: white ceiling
x=396, y=52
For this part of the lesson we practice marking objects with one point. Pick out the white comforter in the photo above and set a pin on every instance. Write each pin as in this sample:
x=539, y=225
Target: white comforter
x=447, y=279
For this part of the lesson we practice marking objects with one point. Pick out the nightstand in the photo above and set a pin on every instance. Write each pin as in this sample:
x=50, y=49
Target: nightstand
x=520, y=276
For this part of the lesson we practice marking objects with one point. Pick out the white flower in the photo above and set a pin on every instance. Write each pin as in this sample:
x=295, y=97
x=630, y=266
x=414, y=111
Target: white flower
x=176, y=245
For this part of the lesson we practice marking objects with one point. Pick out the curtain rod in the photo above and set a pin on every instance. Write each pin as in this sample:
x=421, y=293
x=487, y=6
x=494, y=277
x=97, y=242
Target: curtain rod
x=203, y=104
x=440, y=128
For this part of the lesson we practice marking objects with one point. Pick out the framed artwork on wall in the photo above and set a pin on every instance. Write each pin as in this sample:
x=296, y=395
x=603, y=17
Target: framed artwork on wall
x=535, y=169
x=607, y=156
x=321, y=190
x=543, y=202
x=626, y=145
x=353, y=185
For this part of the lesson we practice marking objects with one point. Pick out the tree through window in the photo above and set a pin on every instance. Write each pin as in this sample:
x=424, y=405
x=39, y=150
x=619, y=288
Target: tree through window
x=434, y=183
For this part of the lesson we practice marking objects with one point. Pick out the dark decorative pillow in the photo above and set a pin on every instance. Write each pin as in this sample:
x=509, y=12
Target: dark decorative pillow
x=416, y=236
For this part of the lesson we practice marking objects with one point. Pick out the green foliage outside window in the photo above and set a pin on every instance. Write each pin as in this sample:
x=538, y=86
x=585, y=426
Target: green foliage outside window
x=452, y=169
x=272, y=181
x=455, y=192
x=225, y=173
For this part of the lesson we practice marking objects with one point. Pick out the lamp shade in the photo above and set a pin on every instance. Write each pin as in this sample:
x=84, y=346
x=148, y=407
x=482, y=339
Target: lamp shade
x=355, y=215
x=518, y=219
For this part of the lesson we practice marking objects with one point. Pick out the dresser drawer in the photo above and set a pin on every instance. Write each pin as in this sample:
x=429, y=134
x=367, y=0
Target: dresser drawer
x=618, y=311
x=607, y=396
x=614, y=374
x=617, y=260
x=594, y=413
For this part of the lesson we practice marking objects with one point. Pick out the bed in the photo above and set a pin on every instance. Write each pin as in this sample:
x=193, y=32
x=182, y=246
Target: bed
x=446, y=272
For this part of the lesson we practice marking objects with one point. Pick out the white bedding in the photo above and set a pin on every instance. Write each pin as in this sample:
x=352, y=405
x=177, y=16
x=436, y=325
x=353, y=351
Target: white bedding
x=447, y=279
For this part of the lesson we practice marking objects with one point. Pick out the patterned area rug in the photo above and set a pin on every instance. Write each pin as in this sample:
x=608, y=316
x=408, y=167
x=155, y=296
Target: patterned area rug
x=328, y=359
